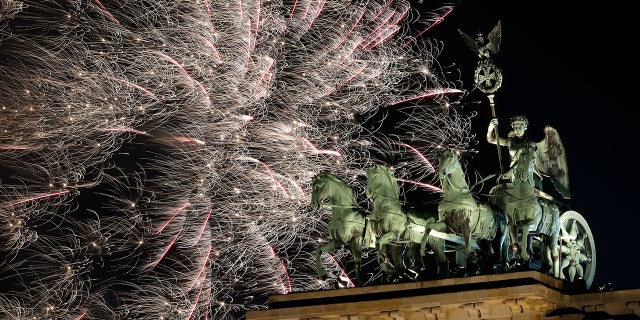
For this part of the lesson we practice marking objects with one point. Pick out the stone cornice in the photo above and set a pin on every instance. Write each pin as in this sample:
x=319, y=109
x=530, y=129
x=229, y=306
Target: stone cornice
x=516, y=295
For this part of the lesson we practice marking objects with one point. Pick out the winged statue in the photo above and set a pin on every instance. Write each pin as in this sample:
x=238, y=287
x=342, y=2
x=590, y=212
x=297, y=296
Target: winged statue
x=550, y=156
x=484, y=47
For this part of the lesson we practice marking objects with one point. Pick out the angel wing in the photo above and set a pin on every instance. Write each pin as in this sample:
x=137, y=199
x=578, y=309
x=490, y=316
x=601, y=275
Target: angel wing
x=494, y=37
x=551, y=161
x=469, y=41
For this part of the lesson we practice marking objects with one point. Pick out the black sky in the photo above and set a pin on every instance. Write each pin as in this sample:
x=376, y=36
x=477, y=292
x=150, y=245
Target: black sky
x=572, y=65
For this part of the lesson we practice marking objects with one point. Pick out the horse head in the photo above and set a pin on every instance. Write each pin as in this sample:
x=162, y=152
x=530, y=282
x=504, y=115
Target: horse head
x=327, y=186
x=524, y=165
x=381, y=181
x=318, y=194
x=447, y=163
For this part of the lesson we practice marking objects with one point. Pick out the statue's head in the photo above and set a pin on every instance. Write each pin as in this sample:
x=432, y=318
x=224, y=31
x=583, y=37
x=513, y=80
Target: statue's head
x=520, y=119
x=519, y=125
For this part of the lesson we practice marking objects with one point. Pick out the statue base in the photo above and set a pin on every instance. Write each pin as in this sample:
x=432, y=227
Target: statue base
x=514, y=295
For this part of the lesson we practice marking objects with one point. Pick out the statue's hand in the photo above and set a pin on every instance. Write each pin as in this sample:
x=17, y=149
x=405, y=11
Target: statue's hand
x=494, y=122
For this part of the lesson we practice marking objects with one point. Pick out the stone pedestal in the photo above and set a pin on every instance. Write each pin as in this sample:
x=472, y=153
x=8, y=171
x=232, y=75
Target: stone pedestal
x=528, y=295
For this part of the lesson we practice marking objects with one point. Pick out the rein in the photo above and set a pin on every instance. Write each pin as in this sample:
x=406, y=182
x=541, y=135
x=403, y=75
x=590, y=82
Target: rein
x=344, y=206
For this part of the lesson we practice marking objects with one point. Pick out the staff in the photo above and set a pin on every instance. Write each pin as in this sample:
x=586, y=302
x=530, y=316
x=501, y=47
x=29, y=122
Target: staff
x=487, y=77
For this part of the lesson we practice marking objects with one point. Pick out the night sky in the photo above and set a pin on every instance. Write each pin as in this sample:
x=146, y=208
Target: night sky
x=213, y=141
x=571, y=65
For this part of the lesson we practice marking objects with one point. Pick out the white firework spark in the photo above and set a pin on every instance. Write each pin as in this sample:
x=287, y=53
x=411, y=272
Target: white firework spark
x=156, y=156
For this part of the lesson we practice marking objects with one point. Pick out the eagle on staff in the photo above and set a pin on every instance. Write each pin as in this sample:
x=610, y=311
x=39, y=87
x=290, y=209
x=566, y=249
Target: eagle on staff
x=484, y=47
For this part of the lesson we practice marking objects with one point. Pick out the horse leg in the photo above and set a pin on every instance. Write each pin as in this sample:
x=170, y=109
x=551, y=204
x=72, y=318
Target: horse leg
x=502, y=243
x=513, y=235
x=530, y=245
x=564, y=264
x=356, y=252
x=327, y=247
x=383, y=258
x=466, y=234
x=524, y=245
x=554, y=247
x=485, y=257
x=437, y=246
x=381, y=244
x=417, y=264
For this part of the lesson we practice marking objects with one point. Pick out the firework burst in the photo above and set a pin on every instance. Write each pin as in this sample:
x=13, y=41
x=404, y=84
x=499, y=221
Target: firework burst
x=156, y=156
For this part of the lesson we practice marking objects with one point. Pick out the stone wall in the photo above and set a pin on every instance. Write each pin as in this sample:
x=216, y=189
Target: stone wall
x=528, y=295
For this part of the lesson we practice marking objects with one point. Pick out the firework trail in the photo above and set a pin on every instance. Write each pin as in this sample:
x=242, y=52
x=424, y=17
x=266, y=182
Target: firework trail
x=156, y=156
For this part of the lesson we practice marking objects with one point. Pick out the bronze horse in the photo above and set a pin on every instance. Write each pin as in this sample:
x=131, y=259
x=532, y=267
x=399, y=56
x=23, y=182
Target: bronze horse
x=528, y=213
x=396, y=225
x=465, y=216
x=347, y=227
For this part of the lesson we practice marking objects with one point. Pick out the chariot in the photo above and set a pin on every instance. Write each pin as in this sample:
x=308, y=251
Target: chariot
x=515, y=227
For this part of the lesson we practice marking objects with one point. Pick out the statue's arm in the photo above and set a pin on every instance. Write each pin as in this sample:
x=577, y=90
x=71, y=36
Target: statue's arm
x=491, y=133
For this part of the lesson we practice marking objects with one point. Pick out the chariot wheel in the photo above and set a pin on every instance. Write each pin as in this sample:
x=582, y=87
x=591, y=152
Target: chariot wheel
x=577, y=249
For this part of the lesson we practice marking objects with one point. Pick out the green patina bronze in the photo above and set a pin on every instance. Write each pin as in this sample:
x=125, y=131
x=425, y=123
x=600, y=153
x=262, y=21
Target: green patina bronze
x=499, y=231
x=394, y=224
x=348, y=224
x=527, y=212
x=465, y=216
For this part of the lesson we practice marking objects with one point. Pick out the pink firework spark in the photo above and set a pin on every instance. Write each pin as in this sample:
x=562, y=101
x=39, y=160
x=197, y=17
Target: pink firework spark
x=355, y=24
x=82, y=315
x=173, y=216
x=48, y=195
x=206, y=3
x=349, y=79
x=419, y=155
x=107, y=12
x=382, y=10
x=266, y=71
x=164, y=253
x=184, y=71
x=195, y=303
x=421, y=184
x=342, y=270
x=430, y=94
x=121, y=130
x=204, y=226
x=6, y=147
x=317, y=151
x=285, y=273
x=190, y=140
x=319, y=9
x=204, y=265
x=435, y=23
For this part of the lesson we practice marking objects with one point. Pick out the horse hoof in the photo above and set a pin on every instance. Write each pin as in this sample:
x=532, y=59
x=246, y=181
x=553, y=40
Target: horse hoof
x=342, y=283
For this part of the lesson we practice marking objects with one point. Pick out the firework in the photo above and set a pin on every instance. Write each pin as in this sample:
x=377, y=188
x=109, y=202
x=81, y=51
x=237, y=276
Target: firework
x=156, y=156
